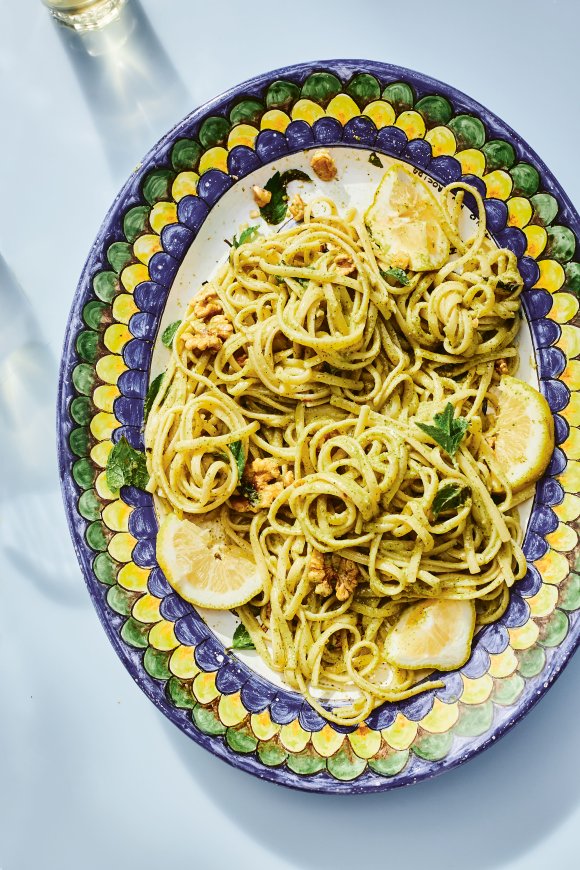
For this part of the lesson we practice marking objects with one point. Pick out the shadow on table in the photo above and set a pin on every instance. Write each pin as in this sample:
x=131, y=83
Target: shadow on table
x=130, y=85
x=33, y=534
x=481, y=815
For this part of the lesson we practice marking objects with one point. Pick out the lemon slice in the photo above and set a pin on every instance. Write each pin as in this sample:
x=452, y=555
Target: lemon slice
x=523, y=441
x=203, y=567
x=404, y=222
x=432, y=634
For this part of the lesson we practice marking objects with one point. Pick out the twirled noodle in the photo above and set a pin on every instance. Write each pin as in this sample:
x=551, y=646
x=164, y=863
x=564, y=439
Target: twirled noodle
x=325, y=370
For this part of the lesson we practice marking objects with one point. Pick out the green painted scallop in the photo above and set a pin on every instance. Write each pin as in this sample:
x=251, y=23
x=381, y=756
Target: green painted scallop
x=89, y=505
x=570, y=592
x=84, y=377
x=436, y=110
x=281, y=94
x=526, y=179
x=84, y=472
x=214, y=131
x=321, y=87
x=555, y=629
x=433, y=747
x=545, y=208
x=508, y=690
x=306, y=762
x=96, y=535
x=157, y=185
x=135, y=633
x=400, y=95
x=248, y=111
x=185, y=155
x=531, y=661
x=391, y=764
x=106, y=285
x=474, y=719
x=87, y=345
x=499, y=154
x=363, y=88
x=136, y=222
x=561, y=244
x=81, y=410
x=241, y=740
x=271, y=753
x=105, y=568
x=119, y=255
x=79, y=440
x=345, y=765
x=207, y=721
x=94, y=313
x=120, y=600
x=572, y=271
x=180, y=693
x=156, y=663
x=469, y=131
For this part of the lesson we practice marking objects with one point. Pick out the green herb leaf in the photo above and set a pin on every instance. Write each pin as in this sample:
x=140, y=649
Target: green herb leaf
x=275, y=211
x=507, y=288
x=242, y=639
x=449, y=497
x=395, y=273
x=250, y=492
x=448, y=430
x=247, y=235
x=151, y=394
x=375, y=160
x=169, y=333
x=237, y=449
x=126, y=467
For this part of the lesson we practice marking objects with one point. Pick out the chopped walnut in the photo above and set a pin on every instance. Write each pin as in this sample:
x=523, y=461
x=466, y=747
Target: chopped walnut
x=348, y=577
x=399, y=260
x=206, y=304
x=261, y=196
x=333, y=573
x=323, y=165
x=344, y=264
x=210, y=337
x=501, y=366
x=296, y=207
x=221, y=326
x=265, y=477
x=240, y=504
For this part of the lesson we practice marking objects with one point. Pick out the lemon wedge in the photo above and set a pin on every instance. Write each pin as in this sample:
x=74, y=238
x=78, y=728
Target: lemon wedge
x=523, y=439
x=432, y=634
x=203, y=567
x=403, y=220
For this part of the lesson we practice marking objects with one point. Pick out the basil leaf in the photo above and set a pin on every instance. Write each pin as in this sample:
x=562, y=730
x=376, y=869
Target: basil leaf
x=126, y=467
x=247, y=235
x=447, y=431
x=169, y=333
x=242, y=639
x=151, y=394
x=237, y=449
x=375, y=160
x=275, y=211
x=395, y=273
x=449, y=497
x=250, y=492
x=507, y=288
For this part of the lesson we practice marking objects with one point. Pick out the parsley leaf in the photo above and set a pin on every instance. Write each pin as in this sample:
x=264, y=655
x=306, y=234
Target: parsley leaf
x=275, y=211
x=242, y=639
x=151, y=394
x=238, y=451
x=169, y=333
x=448, y=430
x=375, y=160
x=250, y=492
x=247, y=235
x=506, y=287
x=126, y=467
x=448, y=498
x=395, y=273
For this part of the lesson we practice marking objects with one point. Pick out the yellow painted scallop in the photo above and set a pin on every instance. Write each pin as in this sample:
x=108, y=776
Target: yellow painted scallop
x=162, y=214
x=569, y=341
x=133, y=275
x=476, y=691
x=109, y=368
x=231, y=709
x=327, y=741
x=343, y=108
x=503, y=664
x=274, y=119
x=104, y=397
x=381, y=113
x=472, y=161
x=185, y=184
x=102, y=487
x=133, y=577
x=519, y=211
x=121, y=546
x=100, y=453
x=365, y=742
x=116, y=337
x=498, y=184
x=553, y=567
x=401, y=733
x=571, y=445
x=307, y=110
x=552, y=275
x=412, y=124
x=569, y=509
x=442, y=141
x=146, y=608
x=537, y=239
x=182, y=663
x=162, y=636
x=564, y=308
x=440, y=718
x=103, y=425
x=262, y=725
x=204, y=687
x=116, y=515
x=145, y=246
x=242, y=134
x=214, y=158
x=571, y=412
x=571, y=374
x=563, y=539
x=124, y=307
x=293, y=737
x=525, y=636
x=544, y=601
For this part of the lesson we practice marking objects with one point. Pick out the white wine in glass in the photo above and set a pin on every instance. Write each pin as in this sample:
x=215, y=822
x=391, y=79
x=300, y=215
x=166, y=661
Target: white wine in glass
x=84, y=14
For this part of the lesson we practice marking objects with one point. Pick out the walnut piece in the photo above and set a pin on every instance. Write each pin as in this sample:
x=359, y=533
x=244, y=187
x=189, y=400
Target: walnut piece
x=206, y=304
x=210, y=337
x=344, y=264
x=221, y=326
x=399, y=260
x=261, y=196
x=323, y=165
x=265, y=477
x=501, y=366
x=333, y=573
x=296, y=207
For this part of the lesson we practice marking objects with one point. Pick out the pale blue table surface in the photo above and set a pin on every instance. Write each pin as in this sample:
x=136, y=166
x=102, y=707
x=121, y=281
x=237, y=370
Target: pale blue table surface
x=91, y=775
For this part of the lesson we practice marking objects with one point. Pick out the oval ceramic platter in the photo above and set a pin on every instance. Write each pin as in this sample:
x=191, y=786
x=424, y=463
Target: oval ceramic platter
x=163, y=236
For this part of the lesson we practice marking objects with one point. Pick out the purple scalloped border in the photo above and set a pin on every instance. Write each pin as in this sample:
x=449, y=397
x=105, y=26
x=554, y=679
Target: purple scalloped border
x=268, y=148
